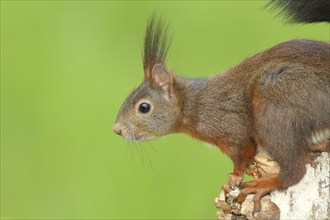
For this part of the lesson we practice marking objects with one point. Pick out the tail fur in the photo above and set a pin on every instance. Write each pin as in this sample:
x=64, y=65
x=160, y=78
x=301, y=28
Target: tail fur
x=303, y=11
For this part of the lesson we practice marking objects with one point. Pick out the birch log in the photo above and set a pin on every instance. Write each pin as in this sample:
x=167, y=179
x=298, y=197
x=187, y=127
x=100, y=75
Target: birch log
x=309, y=199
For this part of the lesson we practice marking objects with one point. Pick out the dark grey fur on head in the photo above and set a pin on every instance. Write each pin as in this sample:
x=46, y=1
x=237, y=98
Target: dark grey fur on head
x=305, y=11
x=156, y=42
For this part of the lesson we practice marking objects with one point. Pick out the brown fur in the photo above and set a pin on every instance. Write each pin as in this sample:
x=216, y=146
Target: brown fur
x=250, y=102
x=275, y=99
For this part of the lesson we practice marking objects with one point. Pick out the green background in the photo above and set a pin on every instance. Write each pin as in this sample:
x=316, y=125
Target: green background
x=66, y=67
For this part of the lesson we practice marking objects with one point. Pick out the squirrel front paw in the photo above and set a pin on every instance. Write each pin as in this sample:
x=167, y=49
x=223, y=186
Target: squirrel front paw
x=233, y=183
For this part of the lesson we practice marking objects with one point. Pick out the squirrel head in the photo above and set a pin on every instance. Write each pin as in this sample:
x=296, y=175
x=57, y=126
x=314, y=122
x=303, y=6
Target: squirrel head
x=152, y=109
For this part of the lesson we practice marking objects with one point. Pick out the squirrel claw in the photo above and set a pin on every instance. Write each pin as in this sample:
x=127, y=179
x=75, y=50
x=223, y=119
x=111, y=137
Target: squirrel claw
x=234, y=187
x=255, y=211
x=256, y=208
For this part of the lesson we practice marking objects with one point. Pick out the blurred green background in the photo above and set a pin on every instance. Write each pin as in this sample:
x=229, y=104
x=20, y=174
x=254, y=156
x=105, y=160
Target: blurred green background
x=66, y=67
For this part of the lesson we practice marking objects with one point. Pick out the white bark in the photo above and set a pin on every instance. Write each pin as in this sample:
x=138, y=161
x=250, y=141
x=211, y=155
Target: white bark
x=309, y=199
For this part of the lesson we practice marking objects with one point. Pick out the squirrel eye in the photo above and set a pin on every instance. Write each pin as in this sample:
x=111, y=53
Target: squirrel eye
x=144, y=107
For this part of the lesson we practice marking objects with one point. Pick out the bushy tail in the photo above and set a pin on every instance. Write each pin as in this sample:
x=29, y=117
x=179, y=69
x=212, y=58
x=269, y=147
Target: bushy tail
x=303, y=11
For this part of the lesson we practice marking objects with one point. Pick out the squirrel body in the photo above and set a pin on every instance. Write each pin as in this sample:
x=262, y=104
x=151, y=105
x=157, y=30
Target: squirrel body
x=278, y=99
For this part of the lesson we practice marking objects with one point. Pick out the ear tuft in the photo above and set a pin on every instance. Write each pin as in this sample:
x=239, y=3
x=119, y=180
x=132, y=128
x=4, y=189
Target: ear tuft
x=156, y=43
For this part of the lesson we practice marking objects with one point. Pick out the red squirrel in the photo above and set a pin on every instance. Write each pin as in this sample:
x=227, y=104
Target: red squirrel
x=278, y=99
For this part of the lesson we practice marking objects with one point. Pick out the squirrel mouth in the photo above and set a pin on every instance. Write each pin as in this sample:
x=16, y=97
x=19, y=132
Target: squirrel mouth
x=140, y=137
x=129, y=133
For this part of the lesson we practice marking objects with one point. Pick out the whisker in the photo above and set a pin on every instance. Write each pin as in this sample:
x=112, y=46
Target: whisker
x=132, y=144
x=132, y=155
x=153, y=147
x=140, y=151
x=136, y=143
x=150, y=162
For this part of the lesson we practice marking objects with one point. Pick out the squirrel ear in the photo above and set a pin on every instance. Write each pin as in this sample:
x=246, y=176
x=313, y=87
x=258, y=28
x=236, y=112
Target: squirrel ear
x=162, y=78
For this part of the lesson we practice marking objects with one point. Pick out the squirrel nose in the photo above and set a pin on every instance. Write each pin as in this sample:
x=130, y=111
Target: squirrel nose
x=117, y=128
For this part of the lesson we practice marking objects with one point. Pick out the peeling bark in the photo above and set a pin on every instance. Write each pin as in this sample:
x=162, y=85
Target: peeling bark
x=309, y=199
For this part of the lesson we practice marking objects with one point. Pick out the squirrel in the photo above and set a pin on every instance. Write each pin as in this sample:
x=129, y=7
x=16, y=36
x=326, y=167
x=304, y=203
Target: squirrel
x=278, y=99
